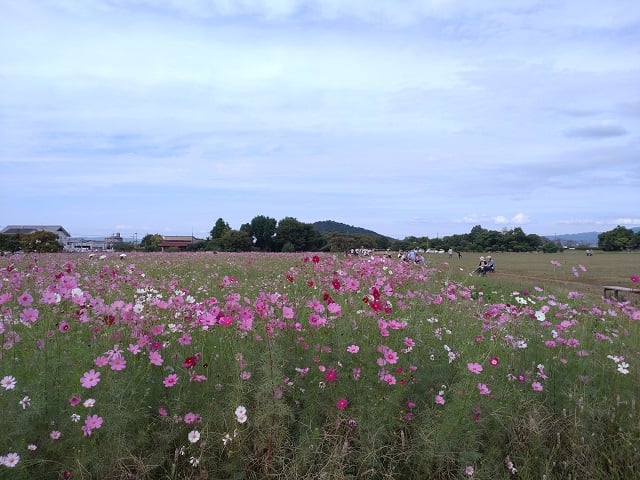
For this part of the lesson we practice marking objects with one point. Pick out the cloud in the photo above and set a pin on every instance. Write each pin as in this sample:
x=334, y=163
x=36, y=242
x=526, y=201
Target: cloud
x=596, y=131
x=627, y=221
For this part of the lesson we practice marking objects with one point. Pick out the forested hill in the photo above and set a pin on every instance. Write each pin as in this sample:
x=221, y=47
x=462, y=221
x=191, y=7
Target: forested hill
x=327, y=226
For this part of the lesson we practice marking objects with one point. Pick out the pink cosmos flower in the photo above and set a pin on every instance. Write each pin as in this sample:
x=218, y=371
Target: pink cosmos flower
x=170, y=380
x=101, y=361
x=635, y=278
x=537, y=386
x=90, y=379
x=190, y=417
x=483, y=389
x=25, y=299
x=93, y=422
x=342, y=404
x=474, y=368
x=185, y=339
x=118, y=363
x=29, y=315
x=74, y=400
x=162, y=411
x=353, y=349
x=493, y=361
x=55, y=434
x=390, y=356
x=439, y=400
x=155, y=358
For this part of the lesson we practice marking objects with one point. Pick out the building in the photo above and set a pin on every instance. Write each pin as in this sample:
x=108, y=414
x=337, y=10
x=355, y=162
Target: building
x=59, y=230
x=178, y=242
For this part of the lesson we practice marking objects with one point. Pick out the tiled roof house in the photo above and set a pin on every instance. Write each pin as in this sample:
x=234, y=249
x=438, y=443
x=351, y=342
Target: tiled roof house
x=59, y=230
x=180, y=242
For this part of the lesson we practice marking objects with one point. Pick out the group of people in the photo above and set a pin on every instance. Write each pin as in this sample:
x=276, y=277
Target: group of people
x=485, y=266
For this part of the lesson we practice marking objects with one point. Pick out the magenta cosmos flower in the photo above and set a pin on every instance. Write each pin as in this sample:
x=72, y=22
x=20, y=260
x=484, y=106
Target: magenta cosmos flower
x=342, y=404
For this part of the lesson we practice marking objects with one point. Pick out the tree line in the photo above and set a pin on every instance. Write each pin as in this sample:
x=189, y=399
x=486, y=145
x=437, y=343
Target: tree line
x=266, y=234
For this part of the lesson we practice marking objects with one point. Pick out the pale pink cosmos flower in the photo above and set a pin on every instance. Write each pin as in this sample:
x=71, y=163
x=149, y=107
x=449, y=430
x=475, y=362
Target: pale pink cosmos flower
x=118, y=363
x=537, y=386
x=439, y=400
x=483, y=389
x=8, y=382
x=29, y=315
x=55, y=434
x=10, y=460
x=474, y=368
x=90, y=379
x=101, y=361
x=353, y=349
x=155, y=358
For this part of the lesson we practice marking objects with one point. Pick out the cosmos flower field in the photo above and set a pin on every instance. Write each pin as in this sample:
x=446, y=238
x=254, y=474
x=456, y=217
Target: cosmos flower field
x=212, y=366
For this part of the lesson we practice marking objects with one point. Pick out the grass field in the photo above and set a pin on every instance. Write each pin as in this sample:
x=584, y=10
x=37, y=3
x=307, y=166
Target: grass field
x=523, y=270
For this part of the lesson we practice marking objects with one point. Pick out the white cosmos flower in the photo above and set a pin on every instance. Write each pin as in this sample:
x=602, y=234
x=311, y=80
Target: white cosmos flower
x=194, y=436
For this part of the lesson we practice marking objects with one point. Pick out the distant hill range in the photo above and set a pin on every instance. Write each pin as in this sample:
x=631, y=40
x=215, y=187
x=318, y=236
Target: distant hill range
x=327, y=226
x=584, y=238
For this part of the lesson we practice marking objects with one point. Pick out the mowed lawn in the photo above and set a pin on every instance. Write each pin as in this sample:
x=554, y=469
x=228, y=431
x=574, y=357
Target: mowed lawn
x=525, y=270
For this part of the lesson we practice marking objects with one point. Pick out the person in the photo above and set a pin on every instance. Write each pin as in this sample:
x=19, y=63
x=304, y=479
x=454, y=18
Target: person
x=481, y=265
x=490, y=266
x=450, y=252
x=459, y=255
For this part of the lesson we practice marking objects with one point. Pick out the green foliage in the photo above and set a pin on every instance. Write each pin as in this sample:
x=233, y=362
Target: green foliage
x=342, y=242
x=301, y=236
x=219, y=229
x=123, y=247
x=263, y=230
x=551, y=247
x=41, y=242
x=620, y=238
x=10, y=242
x=151, y=242
x=236, y=241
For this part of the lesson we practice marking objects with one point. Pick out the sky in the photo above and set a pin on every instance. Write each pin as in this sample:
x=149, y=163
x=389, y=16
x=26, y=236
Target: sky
x=405, y=117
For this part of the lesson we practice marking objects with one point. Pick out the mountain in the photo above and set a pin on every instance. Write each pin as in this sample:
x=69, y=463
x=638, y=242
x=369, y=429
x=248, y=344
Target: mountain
x=326, y=226
x=584, y=238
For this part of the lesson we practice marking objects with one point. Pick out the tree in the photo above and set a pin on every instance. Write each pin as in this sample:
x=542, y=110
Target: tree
x=297, y=236
x=41, y=242
x=620, y=238
x=151, y=242
x=10, y=242
x=263, y=230
x=236, y=241
x=219, y=229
